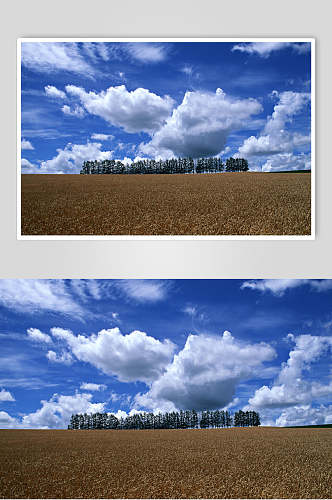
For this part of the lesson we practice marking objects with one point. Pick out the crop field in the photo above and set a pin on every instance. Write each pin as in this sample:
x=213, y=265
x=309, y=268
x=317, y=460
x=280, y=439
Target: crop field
x=202, y=204
x=210, y=463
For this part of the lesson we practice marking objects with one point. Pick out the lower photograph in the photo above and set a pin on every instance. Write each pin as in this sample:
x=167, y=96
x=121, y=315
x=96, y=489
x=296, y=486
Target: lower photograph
x=138, y=388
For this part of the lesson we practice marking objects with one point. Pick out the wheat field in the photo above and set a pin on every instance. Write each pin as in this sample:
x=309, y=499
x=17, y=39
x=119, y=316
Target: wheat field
x=210, y=463
x=202, y=204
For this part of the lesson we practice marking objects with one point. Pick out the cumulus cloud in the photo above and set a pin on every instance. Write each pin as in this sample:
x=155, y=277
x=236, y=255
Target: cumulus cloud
x=305, y=415
x=64, y=358
x=53, y=414
x=136, y=111
x=143, y=290
x=279, y=286
x=291, y=388
x=275, y=140
x=34, y=295
x=265, y=49
x=28, y=167
x=147, y=52
x=205, y=373
x=53, y=92
x=277, y=144
x=26, y=144
x=102, y=137
x=6, y=421
x=76, y=111
x=89, y=386
x=36, y=335
x=50, y=57
x=287, y=161
x=6, y=396
x=200, y=125
x=70, y=159
x=290, y=103
x=131, y=357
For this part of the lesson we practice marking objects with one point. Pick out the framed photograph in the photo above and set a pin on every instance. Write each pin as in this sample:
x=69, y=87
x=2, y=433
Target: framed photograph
x=165, y=388
x=206, y=138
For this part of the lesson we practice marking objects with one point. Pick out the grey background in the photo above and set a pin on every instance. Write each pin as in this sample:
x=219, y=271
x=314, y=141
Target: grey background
x=166, y=259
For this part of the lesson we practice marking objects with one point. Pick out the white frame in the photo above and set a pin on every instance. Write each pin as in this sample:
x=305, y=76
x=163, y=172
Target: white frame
x=168, y=237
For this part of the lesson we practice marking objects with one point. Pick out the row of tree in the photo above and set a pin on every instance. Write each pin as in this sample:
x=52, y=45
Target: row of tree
x=189, y=419
x=172, y=166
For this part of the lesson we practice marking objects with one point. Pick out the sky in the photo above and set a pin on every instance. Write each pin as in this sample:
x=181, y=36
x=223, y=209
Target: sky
x=132, y=100
x=125, y=346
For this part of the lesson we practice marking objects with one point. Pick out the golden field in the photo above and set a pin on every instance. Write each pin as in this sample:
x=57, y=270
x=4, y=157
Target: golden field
x=249, y=203
x=210, y=463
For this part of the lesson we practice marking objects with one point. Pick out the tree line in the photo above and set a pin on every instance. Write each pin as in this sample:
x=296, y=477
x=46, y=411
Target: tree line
x=189, y=419
x=172, y=166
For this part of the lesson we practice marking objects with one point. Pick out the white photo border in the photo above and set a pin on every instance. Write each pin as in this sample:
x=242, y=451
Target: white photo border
x=312, y=236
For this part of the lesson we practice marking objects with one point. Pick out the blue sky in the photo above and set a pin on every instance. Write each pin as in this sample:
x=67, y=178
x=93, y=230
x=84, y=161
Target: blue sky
x=123, y=346
x=124, y=101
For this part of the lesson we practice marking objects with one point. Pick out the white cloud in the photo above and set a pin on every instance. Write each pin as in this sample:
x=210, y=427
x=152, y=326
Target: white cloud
x=291, y=388
x=48, y=57
x=45, y=133
x=37, y=336
x=53, y=92
x=305, y=415
x=70, y=159
x=275, y=140
x=26, y=382
x=34, y=295
x=102, y=137
x=120, y=414
x=97, y=51
x=55, y=413
x=264, y=49
x=205, y=373
x=131, y=357
x=190, y=310
x=200, y=125
x=147, y=52
x=6, y=421
x=275, y=286
x=28, y=167
x=88, y=289
x=114, y=397
x=123, y=414
x=281, y=142
x=26, y=144
x=126, y=160
x=321, y=285
x=287, y=161
x=6, y=395
x=137, y=111
x=65, y=358
x=290, y=103
x=76, y=111
x=187, y=69
x=143, y=290
x=279, y=286
x=89, y=386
